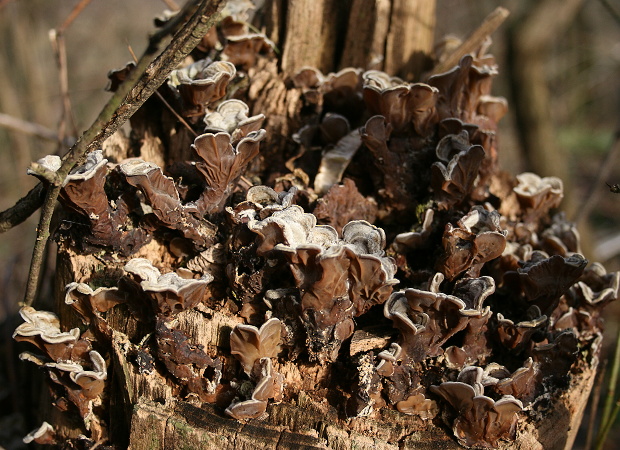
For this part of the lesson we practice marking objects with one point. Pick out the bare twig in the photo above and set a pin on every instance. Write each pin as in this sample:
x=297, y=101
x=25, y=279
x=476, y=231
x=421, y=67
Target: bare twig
x=33, y=129
x=165, y=102
x=172, y=5
x=22, y=209
x=57, y=38
x=196, y=17
x=474, y=40
x=73, y=15
x=604, y=170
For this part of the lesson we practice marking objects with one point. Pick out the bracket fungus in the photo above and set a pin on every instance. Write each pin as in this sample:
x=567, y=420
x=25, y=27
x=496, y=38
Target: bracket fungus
x=262, y=275
x=250, y=344
x=202, y=83
x=481, y=421
x=170, y=293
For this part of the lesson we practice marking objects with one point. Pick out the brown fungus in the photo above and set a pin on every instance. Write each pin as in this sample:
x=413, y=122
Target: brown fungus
x=221, y=164
x=545, y=280
x=231, y=116
x=427, y=319
x=163, y=201
x=481, y=422
x=268, y=386
x=44, y=435
x=537, y=195
x=477, y=240
x=83, y=192
x=249, y=344
x=453, y=180
x=403, y=105
x=418, y=405
x=169, y=292
x=517, y=335
x=202, y=83
x=244, y=50
x=42, y=329
x=339, y=279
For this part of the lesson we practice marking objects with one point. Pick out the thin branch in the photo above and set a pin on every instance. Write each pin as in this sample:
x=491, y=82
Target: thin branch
x=165, y=102
x=72, y=16
x=172, y=5
x=196, y=17
x=23, y=209
x=474, y=40
x=57, y=38
x=33, y=129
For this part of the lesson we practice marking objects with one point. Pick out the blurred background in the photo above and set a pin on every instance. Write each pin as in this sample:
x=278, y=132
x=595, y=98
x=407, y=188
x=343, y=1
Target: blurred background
x=559, y=64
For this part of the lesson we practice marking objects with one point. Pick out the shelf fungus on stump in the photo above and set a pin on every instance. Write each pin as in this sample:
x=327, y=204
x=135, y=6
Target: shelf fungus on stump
x=370, y=268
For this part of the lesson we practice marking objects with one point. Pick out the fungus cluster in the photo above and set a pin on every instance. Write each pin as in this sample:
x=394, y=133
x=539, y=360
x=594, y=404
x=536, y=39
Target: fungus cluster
x=380, y=260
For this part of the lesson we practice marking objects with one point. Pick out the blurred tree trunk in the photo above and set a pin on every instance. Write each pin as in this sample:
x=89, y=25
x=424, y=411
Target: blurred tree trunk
x=532, y=32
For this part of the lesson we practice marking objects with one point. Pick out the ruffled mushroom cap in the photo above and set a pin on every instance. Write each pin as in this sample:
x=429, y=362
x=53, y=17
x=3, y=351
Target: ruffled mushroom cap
x=291, y=227
x=461, y=88
x=249, y=344
x=244, y=50
x=402, y=105
x=418, y=405
x=83, y=192
x=583, y=302
x=202, y=83
x=164, y=202
x=269, y=386
x=88, y=302
x=42, y=329
x=545, y=280
x=231, y=116
x=92, y=381
x=557, y=356
x=169, y=292
x=481, y=421
x=221, y=164
x=427, y=319
x=537, y=195
x=454, y=181
x=523, y=383
x=561, y=238
x=44, y=435
x=477, y=240
x=516, y=335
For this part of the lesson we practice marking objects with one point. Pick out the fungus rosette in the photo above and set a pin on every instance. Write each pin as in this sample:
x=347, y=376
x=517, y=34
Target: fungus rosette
x=375, y=258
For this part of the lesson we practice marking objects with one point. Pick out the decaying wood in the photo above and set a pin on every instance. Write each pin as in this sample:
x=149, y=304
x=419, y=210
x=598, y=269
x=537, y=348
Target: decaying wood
x=367, y=49
x=410, y=38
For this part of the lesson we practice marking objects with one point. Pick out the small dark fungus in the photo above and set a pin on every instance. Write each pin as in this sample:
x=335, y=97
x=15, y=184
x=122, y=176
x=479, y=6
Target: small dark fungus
x=249, y=344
